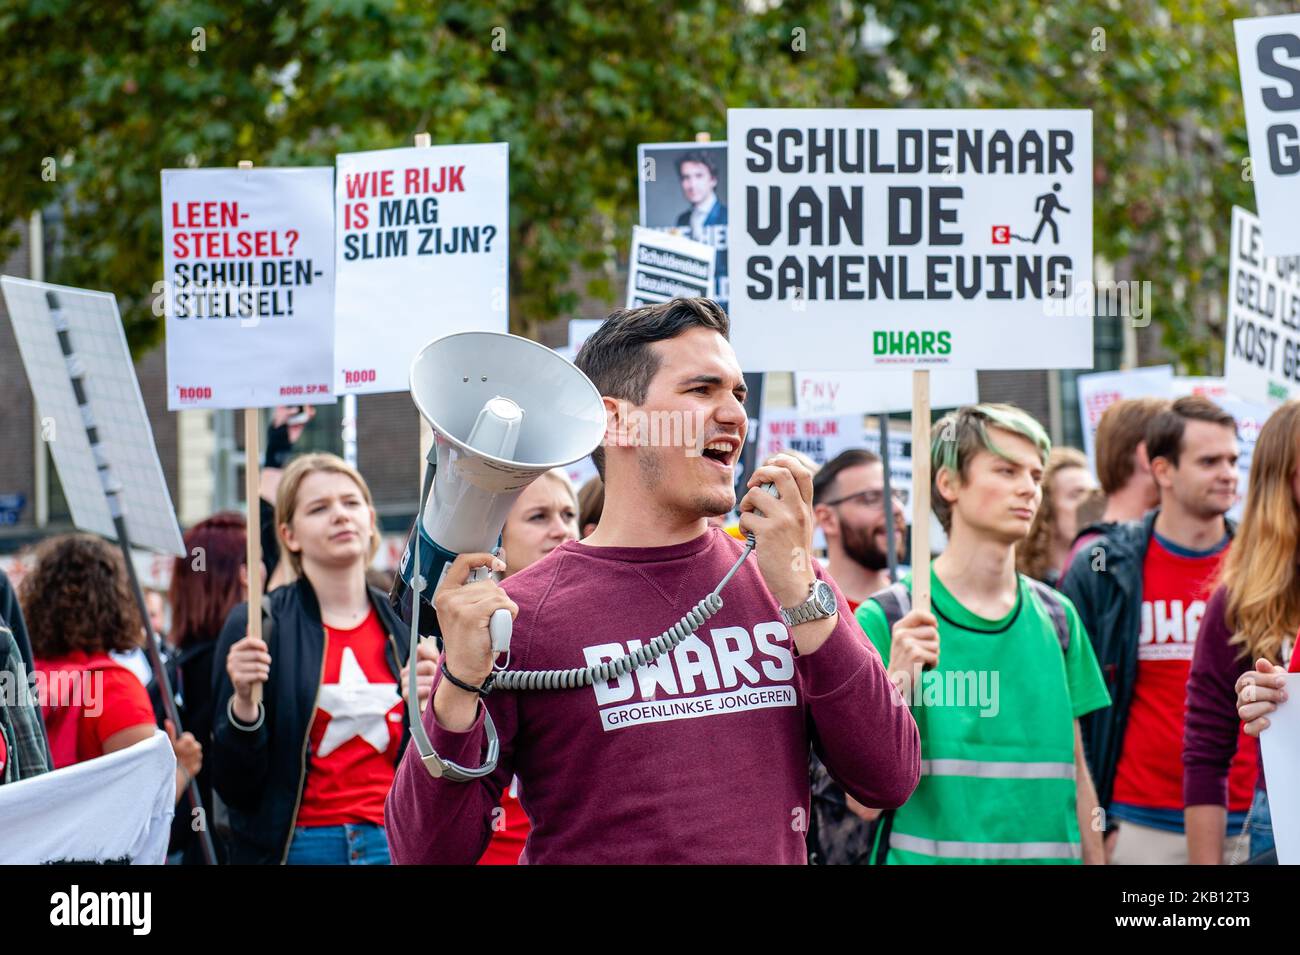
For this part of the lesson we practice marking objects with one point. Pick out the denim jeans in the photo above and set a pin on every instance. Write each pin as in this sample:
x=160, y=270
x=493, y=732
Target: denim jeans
x=1260, y=826
x=353, y=843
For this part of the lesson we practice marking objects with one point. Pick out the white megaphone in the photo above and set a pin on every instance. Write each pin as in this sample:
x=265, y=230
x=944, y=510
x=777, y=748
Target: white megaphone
x=503, y=410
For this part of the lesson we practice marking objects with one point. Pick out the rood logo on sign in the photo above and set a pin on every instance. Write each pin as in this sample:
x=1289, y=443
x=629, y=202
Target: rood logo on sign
x=194, y=394
x=358, y=377
x=1001, y=235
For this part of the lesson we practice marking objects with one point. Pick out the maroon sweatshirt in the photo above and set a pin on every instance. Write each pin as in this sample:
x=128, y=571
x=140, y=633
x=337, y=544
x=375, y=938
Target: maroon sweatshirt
x=700, y=757
x=1211, y=728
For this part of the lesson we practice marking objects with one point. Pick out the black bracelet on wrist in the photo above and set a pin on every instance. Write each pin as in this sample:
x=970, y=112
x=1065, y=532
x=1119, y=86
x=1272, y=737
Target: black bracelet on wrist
x=483, y=690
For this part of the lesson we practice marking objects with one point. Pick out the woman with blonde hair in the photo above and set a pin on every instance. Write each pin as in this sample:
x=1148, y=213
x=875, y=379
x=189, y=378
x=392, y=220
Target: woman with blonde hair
x=1251, y=619
x=305, y=771
x=1066, y=482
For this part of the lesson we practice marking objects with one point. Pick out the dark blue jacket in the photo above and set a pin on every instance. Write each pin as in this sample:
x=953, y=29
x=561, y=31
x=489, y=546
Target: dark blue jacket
x=260, y=775
x=1104, y=582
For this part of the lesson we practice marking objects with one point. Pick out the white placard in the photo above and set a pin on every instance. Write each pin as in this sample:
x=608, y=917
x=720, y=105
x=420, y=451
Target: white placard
x=820, y=438
x=1261, y=359
x=1268, y=56
x=682, y=189
x=1203, y=385
x=1250, y=417
x=879, y=392
x=1280, y=747
x=113, y=393
x=917, y=238
x=900, y=463
x=1099, y=391
x=423, y=251
x=663, y=266
x=248, y=259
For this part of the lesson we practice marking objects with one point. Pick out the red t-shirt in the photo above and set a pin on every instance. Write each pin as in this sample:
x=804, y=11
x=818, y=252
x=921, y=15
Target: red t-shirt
x=355, y=732
x=508, y=838
x=100, y=695
x=1175, y=590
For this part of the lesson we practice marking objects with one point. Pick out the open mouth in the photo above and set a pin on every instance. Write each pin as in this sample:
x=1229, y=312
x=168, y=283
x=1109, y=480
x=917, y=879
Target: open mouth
x=722, y=451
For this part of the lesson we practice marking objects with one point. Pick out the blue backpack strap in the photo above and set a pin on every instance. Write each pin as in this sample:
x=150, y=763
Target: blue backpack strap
x=1051, y=602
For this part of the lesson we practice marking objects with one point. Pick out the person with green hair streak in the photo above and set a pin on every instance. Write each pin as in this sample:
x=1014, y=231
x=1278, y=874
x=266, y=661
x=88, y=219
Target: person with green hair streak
x=997, y=675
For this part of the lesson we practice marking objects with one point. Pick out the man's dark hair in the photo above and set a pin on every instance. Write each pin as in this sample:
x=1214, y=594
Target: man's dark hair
x=824, y=479
x=700, y=156
x=618, y=358
x=1165, y=432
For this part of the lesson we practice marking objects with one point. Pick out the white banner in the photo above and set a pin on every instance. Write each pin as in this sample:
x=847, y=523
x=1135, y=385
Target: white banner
x=248, y=262
x=1099, y=391
x=879, y=392
x=663, y=266
x=884, y=238
x=423, y=251
x=1268, y=56
x=1261, y=358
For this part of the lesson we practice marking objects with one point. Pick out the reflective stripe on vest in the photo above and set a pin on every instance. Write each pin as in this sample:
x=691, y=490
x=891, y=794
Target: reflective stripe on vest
x=985, y=850
x=984, y=769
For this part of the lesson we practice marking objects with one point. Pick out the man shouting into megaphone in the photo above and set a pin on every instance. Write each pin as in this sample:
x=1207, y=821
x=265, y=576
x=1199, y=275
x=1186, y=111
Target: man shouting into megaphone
x=700, y=756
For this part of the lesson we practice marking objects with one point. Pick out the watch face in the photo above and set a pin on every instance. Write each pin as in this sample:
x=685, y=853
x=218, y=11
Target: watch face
x=824, y=597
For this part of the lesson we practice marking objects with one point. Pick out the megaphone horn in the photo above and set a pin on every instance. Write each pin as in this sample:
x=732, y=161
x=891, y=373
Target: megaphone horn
x=504, y=410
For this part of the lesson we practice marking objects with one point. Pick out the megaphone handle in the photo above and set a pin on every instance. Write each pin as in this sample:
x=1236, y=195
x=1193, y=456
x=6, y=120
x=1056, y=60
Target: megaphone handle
x=502, y=625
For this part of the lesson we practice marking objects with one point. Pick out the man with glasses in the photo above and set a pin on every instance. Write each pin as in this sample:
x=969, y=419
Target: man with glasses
x=848, y=503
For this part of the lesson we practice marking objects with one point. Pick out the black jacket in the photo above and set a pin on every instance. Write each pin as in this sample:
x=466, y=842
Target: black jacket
x=1104, y=582
x=260, y=775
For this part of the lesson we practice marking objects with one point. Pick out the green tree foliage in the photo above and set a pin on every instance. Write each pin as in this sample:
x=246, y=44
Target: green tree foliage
x=113, y=93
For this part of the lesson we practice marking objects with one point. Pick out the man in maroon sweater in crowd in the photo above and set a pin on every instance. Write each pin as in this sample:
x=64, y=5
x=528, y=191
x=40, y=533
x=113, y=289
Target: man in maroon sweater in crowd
x=702, y=755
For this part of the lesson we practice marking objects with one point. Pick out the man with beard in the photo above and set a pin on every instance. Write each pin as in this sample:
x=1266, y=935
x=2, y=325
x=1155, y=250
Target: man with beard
x=700, y=756
x=849, y=504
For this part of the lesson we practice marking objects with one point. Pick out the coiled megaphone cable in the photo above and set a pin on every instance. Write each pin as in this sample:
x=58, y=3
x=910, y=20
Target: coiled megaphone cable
x=549, y=679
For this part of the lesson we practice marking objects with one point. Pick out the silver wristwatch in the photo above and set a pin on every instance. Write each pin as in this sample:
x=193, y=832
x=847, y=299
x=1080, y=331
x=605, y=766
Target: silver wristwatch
x=819, y=605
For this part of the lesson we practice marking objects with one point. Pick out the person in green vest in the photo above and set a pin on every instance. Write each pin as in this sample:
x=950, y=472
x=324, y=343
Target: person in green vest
x=997, y=675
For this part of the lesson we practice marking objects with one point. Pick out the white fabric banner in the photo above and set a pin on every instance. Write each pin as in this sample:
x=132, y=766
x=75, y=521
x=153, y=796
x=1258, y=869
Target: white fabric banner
x=116, y=808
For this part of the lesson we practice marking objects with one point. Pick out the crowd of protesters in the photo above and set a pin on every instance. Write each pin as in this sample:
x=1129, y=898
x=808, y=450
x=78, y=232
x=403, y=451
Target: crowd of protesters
x=1087, y=685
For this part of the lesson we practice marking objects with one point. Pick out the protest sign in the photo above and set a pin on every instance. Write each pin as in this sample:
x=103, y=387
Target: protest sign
x=822, y=438
x=93, y=329
x=1268, y=56
x=1279, y=746
x=683, y=190
x=875, y=392
x=662, y=266
x=248, y=260
x=1099, y=391
x=1203, y=385
x=1261, y=360
x=917, y=238
x=1250, y=417
x=422, y=251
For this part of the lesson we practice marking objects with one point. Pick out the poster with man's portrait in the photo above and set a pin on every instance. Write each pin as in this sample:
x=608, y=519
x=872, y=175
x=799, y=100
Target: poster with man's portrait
x=683, y=189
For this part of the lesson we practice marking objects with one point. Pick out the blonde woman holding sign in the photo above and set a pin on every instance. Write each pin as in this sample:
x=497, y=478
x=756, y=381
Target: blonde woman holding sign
x=305, y=771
